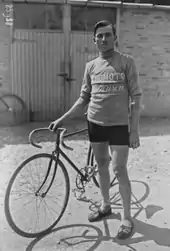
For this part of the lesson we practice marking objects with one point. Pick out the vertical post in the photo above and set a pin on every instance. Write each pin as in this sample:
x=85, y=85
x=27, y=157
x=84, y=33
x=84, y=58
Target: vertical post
x=12, y=36
x=118, y=23
x=67, y=56
x=12, y=40
x=8, y=15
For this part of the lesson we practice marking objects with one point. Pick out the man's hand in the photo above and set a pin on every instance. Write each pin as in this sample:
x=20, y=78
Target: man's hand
x=55, y=124
x=134, y=141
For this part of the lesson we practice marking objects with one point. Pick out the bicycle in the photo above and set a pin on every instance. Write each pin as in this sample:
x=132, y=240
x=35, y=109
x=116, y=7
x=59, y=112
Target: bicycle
x=46, y=183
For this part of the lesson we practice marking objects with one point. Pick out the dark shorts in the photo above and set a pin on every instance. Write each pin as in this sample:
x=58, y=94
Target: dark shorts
x=114, y=135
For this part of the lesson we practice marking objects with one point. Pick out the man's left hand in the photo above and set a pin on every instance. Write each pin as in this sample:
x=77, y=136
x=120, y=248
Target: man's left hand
x=134, y=141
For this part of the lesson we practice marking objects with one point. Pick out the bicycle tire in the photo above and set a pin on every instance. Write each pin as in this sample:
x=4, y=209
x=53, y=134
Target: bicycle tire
x=4, y=103
x=8, y=214
x=90, y=161
x=14, y=97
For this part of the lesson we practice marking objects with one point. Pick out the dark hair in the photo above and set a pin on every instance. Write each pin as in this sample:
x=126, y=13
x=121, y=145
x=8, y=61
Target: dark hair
x=104, y=23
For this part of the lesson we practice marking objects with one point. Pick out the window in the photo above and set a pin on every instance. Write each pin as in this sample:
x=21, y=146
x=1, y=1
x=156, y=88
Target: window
x=37, y=16
x=156, y=2
x=84, y=18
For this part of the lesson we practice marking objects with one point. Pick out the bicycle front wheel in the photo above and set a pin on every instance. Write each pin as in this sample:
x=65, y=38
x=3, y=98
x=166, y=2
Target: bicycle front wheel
x=32, y=206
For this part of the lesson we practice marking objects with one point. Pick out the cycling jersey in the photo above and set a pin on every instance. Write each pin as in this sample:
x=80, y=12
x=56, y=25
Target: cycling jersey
x=108, y=84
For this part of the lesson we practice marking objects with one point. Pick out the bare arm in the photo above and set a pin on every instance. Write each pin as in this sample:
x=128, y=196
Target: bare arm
x=78, y=107
x=135, y=114
x=81, y=103
x=134, y=93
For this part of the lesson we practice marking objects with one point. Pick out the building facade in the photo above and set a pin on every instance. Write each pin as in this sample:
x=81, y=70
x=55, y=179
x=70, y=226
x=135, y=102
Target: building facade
x=45, y=46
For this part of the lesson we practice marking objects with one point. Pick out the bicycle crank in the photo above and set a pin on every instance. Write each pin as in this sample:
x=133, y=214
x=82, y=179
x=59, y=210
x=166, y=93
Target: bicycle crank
x=80, y=181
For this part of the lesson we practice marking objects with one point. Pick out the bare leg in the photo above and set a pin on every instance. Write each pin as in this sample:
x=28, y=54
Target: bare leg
x=119, y=160
x=101, y=153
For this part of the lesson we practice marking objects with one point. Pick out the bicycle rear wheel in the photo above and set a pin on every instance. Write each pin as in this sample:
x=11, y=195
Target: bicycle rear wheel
x=91, y=161
x=30, y=212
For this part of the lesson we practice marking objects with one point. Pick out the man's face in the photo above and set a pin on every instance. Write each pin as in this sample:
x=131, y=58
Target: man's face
x=104, y=38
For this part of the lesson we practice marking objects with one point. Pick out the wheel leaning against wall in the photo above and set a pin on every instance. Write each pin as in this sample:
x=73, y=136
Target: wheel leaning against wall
x=13, y=110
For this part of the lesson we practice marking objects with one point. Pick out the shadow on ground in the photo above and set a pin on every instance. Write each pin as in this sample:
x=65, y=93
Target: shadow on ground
x=86, y=235
x=148, y=232
x=91, y=237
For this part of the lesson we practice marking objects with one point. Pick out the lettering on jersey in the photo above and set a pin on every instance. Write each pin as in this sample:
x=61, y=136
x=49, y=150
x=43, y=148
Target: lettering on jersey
x=111, y=77
x=109, y=88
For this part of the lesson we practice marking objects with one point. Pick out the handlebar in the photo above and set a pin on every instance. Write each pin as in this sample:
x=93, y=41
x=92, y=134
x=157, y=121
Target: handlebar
x=60, y=137
x=61, y=134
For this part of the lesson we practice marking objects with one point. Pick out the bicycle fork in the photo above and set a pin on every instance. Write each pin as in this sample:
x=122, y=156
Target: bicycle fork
x=38, y=192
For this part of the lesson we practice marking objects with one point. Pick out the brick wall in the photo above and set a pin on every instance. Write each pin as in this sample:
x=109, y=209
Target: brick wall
x=4, y=53
x=145, y=33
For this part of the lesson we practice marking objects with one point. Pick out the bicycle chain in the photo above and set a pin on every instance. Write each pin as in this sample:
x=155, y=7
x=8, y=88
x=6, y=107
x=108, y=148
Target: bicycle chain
x=88, y=172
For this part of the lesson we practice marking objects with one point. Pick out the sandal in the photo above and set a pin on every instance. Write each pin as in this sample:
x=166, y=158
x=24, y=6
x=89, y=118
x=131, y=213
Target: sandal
x=125, y=232
x=99, y=215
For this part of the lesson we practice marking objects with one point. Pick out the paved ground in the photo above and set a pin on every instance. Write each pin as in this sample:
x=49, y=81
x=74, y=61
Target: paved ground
x=150, y=175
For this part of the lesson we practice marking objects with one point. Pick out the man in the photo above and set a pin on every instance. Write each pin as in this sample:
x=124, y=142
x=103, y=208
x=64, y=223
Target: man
x=110, y=84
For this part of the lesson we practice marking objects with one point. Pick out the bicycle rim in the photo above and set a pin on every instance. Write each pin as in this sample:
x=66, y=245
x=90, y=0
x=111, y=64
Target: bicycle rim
x=14, y=102
x=30, y=215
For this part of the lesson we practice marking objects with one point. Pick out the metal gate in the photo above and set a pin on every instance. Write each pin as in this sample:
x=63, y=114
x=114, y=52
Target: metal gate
x=37, y=59
x=82, y=51
x=38, y=56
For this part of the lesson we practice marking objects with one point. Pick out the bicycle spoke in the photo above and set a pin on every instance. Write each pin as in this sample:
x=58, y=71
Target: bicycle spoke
x=27, y=180
x=49, y=209
x=31, y=220
x=38, y=174
x=37, y=213
x=50, y=196
x=57, y=185
x=46, y=211
x=28, y=202
x=46, y=207
x=27, y=212
x=43, y=176
x=26, y=183
x=19, y=198
x=55, y=202
x=33, y=180
x=21, y=209
x=23, y=192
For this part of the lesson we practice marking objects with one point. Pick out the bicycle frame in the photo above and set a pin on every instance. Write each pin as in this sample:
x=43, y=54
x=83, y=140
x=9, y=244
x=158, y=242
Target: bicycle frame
x=59, y=151
x=56, y=153
x=72, y=164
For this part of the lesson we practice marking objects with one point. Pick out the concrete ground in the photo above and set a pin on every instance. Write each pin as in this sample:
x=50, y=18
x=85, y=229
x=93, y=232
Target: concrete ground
x=149, y=170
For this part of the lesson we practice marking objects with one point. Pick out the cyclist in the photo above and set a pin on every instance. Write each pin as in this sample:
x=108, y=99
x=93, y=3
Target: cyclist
x=110, y=86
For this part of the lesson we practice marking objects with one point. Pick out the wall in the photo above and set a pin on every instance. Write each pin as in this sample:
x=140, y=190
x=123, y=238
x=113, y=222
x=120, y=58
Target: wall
x=4, y=53
x=145, y=33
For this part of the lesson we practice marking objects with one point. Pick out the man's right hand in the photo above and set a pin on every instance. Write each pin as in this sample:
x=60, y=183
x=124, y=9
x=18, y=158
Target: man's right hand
x=55, y=124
